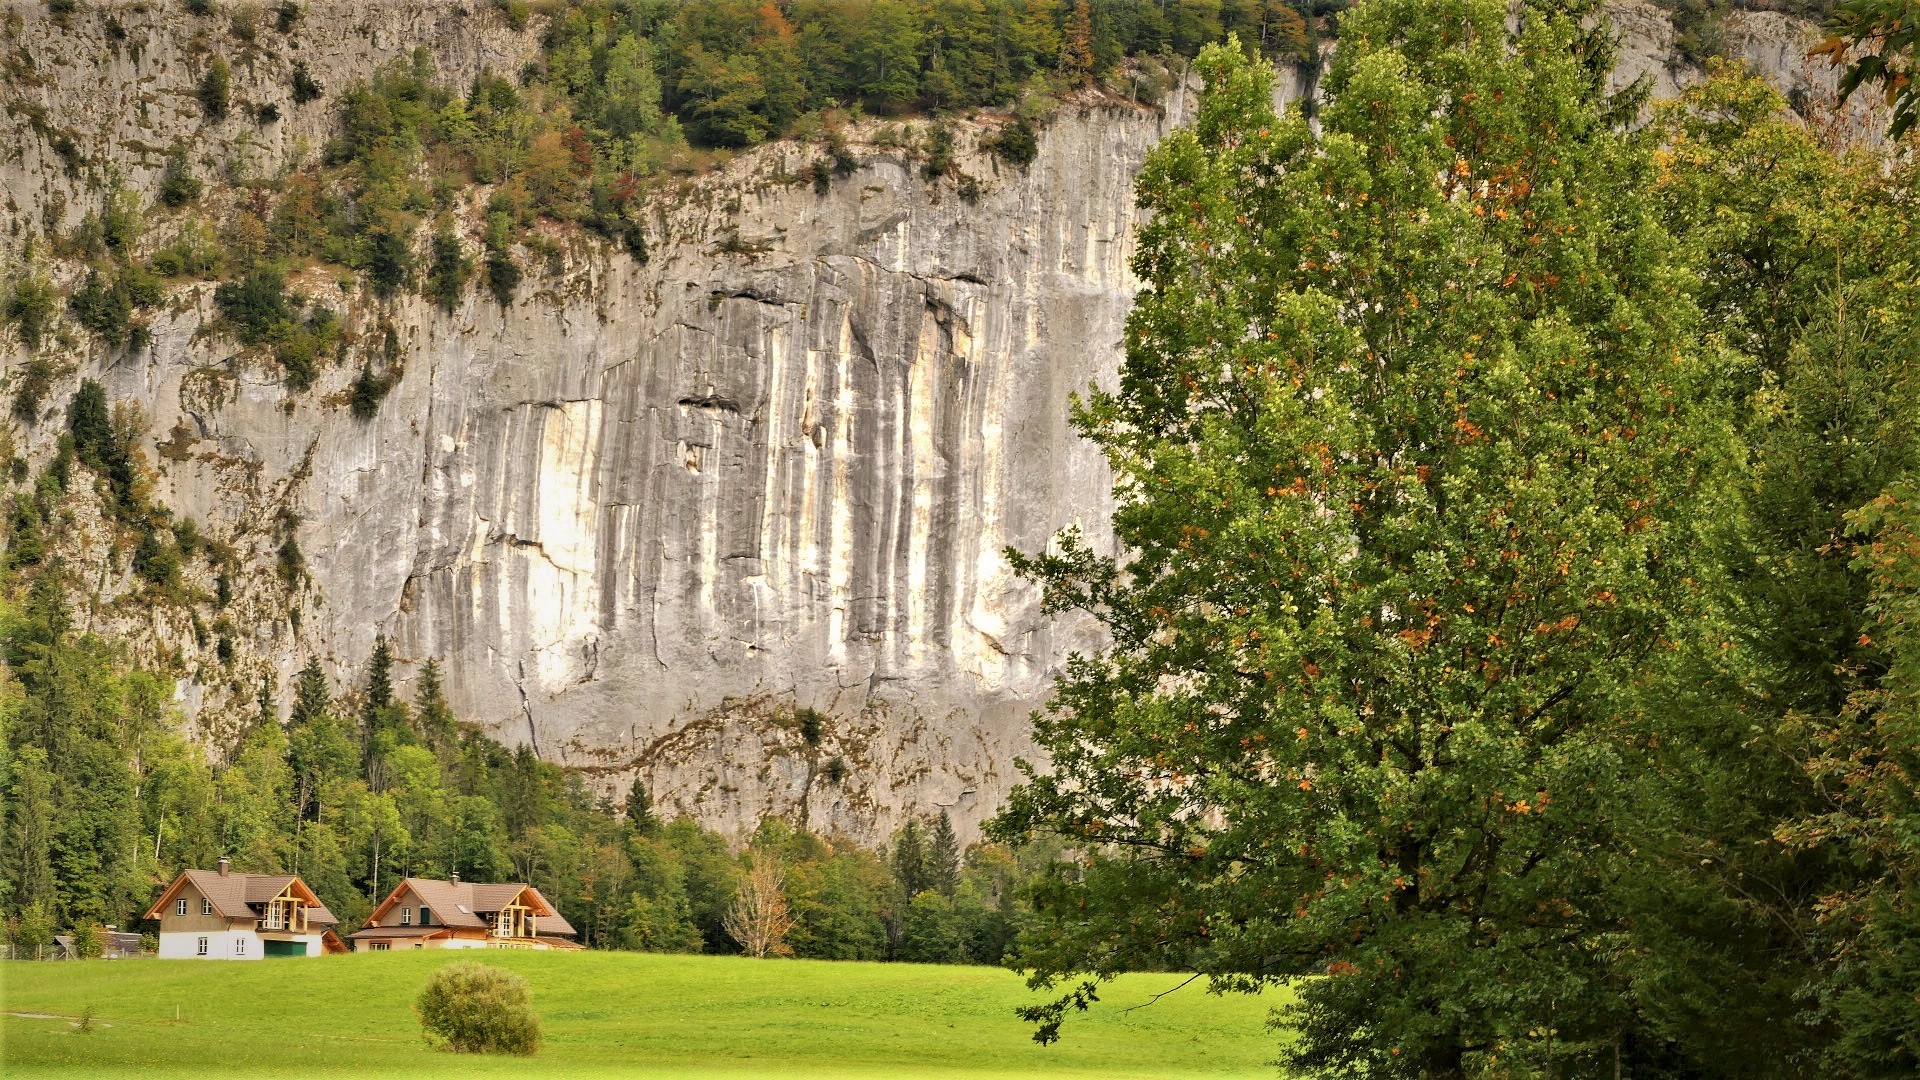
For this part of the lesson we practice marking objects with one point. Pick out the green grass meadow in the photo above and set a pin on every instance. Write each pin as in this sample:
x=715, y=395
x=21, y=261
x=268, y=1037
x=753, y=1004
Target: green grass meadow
x=611, y=1014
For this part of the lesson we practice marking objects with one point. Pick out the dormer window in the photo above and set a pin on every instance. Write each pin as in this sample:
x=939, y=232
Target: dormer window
x=180, y=906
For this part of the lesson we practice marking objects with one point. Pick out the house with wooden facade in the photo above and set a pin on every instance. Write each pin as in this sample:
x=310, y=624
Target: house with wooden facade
x=425, y=913
x=223, y=915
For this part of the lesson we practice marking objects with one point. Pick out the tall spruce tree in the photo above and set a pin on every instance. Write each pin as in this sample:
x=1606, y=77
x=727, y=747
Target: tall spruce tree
x=1409, y=445
x=909, y=859
x=310, y=695
x=379, y=693
x=319, y=748
x=943, y=856
x=431, y=713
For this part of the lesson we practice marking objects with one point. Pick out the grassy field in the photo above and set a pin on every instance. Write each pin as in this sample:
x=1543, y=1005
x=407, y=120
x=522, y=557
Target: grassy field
x=609, y=1014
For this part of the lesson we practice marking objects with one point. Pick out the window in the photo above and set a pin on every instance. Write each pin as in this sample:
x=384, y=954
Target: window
x=417, y=945
x=180, y=906
x=378, y=946
x=426, y=916
x=406, y=916
x=239, y=946
x=203, y=944
x=206, y=906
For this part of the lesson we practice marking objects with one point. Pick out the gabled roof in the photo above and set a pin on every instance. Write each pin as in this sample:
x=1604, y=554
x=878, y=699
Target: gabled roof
x=240, y=896
x=374, y=933
x=473, y=904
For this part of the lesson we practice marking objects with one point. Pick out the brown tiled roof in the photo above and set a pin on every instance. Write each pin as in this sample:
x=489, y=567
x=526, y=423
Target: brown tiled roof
x=228, y=892
x=491, y=898
x=555, y=923
x=474, y=903
x=239, y=896
x=376, y=932
x=260, y=888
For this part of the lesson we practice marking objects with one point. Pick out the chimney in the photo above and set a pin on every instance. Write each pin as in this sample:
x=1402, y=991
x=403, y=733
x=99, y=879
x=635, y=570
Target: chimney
x=456, y=877
x=226, y=864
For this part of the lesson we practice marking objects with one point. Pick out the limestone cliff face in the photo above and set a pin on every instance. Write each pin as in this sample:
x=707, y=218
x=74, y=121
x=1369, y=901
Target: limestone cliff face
x=648, y=511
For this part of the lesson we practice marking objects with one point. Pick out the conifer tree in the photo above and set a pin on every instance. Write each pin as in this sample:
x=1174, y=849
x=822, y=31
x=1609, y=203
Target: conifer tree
x=909, y=859
x=379, y=693
x=266, y=708
x=639, y=808
x=310, y=697
x=1076, y=56
x=943, y=856
x=431, y=712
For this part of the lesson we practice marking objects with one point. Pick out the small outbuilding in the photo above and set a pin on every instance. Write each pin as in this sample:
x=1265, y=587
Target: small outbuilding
x=114, y=945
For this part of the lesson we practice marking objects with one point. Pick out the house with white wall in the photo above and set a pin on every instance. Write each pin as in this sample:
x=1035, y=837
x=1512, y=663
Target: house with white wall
x=223, y=915
x=426, y=913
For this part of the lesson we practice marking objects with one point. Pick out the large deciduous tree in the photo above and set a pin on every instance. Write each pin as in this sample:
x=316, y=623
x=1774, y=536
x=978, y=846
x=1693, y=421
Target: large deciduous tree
x=1411, y=443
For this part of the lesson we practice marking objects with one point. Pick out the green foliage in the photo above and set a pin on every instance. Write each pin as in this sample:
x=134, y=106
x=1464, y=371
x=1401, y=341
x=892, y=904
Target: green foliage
x=30, y=389
x=1016, y=143
x=305, y=87
x=1699, y=29
x=1413, y=433
x=449, y=272
x=157, y=558
x=216, y=89
x=388, y=259
x=120, y=220
x=942, y=856
x=810, y=724
x=195, y=252
x=939, y=160
x=107, y=301
x=259, y=311
x=908, y=858
x=379, y=692
x=257, y=305
x=1877, y=43
x=517, y=12
x=30, y=935
x=638, y=809
x=471, y=1008
x=30, y=306
x=368, y=391
x=503, y=274
x=178, y=185
x=289, y=563
x=91, y=426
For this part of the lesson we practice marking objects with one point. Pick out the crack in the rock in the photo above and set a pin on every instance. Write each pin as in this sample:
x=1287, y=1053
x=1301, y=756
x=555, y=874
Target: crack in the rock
x=526, y=705
x=711, y=401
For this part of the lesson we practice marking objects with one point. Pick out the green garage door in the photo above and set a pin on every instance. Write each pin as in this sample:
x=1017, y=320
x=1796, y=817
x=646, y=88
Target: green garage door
x=286, y=948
